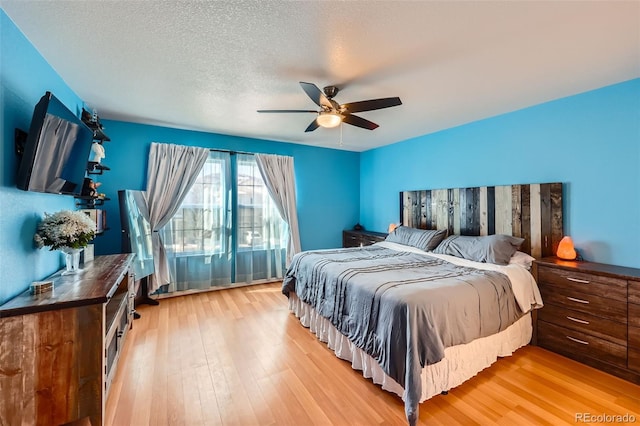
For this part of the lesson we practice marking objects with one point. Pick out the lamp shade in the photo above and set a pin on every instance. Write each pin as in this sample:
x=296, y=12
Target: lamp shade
x=565, y=249
x=392, y=227
x=328, y=119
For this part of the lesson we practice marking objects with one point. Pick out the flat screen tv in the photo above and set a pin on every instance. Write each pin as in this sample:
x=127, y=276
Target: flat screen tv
x=56, y=150
x=136, y=231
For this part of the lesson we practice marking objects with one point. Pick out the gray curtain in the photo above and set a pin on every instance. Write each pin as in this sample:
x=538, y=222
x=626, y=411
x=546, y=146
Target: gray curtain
x=171, y=172
x=278, y=175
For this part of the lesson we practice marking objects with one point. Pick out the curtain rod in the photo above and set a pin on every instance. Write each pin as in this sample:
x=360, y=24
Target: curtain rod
x=232, y=152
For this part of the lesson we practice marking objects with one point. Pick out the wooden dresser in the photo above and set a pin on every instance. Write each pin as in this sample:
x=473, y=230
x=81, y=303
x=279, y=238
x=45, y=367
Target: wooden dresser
x=59, y=350
x=361, y=238
x=591, y=314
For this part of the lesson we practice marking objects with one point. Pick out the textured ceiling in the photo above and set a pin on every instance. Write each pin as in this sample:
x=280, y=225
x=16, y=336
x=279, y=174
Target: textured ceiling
x=210, y=65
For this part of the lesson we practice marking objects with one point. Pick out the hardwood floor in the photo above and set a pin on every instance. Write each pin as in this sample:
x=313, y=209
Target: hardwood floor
x=238, y=357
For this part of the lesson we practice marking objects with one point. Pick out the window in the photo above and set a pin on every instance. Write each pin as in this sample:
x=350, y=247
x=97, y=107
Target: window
x=259, y=223
x=227, y=229
x=199, y=226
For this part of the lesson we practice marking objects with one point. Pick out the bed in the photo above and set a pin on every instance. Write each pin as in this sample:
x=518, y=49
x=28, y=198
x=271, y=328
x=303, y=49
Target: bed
x=422, y=312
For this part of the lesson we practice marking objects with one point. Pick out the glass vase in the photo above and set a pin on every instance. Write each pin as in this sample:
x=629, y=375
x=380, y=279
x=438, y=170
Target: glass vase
x=72, y=260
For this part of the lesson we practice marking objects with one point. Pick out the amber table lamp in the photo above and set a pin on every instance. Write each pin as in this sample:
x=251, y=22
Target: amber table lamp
x=392, y=227
x=565, y=249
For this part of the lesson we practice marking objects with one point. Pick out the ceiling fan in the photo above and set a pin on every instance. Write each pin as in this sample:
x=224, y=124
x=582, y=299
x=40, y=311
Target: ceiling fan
x=332, y=114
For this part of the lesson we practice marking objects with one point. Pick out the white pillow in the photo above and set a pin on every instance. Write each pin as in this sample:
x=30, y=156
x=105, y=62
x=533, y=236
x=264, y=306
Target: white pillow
x=522, y=259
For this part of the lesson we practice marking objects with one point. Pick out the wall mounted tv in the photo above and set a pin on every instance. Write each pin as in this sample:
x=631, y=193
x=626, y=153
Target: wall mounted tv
x=56, y=150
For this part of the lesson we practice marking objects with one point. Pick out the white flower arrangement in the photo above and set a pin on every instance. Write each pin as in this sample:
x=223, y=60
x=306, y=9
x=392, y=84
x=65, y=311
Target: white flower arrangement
x=65, y=228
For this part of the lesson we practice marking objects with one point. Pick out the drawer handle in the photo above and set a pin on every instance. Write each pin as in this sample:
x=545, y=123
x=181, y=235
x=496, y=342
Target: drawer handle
x=573, y=299
x=578, y=320
x=577, y=340
x=576, y=280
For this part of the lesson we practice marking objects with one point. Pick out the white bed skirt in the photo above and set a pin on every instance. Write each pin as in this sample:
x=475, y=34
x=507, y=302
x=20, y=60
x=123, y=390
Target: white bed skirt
x=460, y=363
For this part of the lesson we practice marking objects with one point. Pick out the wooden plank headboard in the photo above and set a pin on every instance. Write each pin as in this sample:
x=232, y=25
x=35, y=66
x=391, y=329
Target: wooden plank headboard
x=530, y=211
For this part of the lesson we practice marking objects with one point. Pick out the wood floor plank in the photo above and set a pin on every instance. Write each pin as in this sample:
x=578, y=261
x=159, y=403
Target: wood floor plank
x=175, y=400
x=143, y=398
x=159, y=321
x=239, y=357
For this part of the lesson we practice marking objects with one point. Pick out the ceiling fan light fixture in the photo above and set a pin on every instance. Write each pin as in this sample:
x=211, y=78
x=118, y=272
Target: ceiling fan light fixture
x=329, y=119
x=333, y=114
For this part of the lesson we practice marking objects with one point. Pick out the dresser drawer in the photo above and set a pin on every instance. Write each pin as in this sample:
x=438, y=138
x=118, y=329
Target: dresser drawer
x=361, y=238
x=614, y=288
x=614, y=310
x=580, y=345
x=368, y=240
x=634, y=292
x=350, y=240
x=612, y=331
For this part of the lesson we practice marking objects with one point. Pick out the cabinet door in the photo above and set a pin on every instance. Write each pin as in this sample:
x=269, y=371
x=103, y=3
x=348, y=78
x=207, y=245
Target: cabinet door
x=114, y=342
x=56, y=362
x=119, y=317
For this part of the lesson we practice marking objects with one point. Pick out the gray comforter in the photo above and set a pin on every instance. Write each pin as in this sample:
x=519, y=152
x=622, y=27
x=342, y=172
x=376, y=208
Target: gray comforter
x=402, y=308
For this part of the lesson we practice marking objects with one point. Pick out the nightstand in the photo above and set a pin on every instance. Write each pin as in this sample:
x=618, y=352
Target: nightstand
x=361, y=238
x=591, y=314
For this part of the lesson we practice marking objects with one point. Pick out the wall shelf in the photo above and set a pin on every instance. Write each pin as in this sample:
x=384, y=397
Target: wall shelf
x=93, y=122
x=90, y=198
x=89, y=202
x=95, y=168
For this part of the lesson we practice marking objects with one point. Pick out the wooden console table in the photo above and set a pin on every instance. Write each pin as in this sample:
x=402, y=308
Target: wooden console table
x=59, y=350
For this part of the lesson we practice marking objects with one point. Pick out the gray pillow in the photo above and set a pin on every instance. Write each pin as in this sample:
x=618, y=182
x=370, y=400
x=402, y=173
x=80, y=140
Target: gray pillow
x=496, y=249
x=423, y=239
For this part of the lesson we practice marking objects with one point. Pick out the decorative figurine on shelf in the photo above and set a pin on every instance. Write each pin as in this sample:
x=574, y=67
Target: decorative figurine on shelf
x=90, y=188
x=97, y=153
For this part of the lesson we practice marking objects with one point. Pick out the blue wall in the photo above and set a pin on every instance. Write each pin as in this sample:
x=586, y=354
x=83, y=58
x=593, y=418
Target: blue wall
x=590, y=142
x=327, y=180
x=25, y=76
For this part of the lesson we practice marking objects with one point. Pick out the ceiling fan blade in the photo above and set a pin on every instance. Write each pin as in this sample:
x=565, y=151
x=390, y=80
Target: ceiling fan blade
x=316, y=94
x=354, y=120
x=314, y=125
x=371, y=105
x=287, y=110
